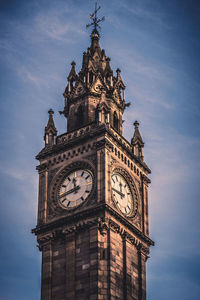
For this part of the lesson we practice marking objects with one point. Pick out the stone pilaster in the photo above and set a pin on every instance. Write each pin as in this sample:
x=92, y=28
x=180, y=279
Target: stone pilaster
x=46, y=271
x=70, y=266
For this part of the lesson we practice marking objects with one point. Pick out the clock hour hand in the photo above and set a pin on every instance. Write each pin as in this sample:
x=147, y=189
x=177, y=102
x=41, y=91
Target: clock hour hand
x=74, y=190
x=75, y=186
x=120, y=193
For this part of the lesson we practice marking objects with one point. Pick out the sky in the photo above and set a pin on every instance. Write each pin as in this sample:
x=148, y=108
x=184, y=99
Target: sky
x=156, y=45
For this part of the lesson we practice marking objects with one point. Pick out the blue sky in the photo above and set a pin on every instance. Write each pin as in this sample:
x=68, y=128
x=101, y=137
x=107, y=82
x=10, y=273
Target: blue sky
x=156, y=45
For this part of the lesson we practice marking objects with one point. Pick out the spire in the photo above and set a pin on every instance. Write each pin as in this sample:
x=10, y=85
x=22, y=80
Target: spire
x=50, y=130
x=137, y=142
x=95, y=36
x=118, y=71
x=72, y=73
x=109, y=71
x=71, y=79
x=119, y=79
x=95, y=80
x=95, y=40
x=137, y=136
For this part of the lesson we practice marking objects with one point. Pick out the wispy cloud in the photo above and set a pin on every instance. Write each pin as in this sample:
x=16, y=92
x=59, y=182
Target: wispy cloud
x=139, y=36
x=54, y=26
x=145, y=10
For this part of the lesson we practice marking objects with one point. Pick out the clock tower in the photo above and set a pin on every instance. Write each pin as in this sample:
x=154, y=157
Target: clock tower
x=92, y=227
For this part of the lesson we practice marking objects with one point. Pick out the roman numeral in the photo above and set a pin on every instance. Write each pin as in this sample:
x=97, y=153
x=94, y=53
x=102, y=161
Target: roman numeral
x=116, y=178
x=87, y=191
x=82, y=173
x=87, y=177
x=113, y=180
x=64, y=185
x=125, y=210
x=63, y=200
x=68, y=203
x=82, y=198
x=69, y=178
x=128, y=193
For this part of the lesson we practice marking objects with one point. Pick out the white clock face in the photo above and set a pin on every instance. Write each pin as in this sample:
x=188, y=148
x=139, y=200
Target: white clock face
x=122, y=194
x=75, y=188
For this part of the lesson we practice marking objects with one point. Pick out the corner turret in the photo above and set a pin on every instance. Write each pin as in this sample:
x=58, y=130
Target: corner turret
x=137, y=142
x=50, y=130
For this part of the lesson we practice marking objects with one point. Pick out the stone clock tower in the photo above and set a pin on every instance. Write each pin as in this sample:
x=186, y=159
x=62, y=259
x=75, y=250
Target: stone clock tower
x=92, y=226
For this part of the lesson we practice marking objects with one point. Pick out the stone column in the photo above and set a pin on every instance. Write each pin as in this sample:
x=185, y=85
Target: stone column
x=141, y=275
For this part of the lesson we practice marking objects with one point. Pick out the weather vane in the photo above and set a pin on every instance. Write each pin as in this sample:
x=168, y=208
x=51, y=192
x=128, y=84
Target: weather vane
x=95, y=19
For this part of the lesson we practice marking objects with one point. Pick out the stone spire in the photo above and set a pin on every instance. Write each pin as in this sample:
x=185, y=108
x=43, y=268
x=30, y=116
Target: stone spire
x=50, y=130
x=137, y=142
x=72, y=73
x=94, y=93
x=71, y=79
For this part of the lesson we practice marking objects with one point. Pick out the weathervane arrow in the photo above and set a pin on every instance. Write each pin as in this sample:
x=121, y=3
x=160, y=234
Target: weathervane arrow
x=95, y=19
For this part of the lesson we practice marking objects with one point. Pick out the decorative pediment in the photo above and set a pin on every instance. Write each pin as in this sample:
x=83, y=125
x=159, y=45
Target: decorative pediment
x=116, y=95
x=119, y=82
x=98, y=86
x=78, y=90
x=103, y=105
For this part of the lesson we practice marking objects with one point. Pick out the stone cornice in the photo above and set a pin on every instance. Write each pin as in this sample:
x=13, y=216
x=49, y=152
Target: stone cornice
x=80, y=221
x=130, y=226
x=146, y=179
x=77, y=137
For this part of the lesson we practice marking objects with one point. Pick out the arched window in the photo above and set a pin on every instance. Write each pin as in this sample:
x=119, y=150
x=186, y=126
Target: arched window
x=115, y=121
x=104, y=116
x=72, y=84
x=121, y=93
x=90, y=77
x=80, y=116
x=50, y=140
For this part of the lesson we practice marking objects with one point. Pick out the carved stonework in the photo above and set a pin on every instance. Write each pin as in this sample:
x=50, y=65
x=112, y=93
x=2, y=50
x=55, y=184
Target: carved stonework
x=51, y=175
x=102, y=226
x=42, y=167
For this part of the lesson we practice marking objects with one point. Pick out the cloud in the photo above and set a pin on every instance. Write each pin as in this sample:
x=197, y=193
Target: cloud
x=54, y=26
x=26, y=75
x=146, y=10
x=24, y=202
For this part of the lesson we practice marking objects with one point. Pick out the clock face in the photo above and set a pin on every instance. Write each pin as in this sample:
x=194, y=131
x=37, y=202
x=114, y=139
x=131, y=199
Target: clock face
x=75, y=188
x=122, y=194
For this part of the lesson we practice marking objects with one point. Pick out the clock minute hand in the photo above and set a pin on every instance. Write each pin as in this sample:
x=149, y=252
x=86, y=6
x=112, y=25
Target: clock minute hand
x=74, y=190
x=120, y=193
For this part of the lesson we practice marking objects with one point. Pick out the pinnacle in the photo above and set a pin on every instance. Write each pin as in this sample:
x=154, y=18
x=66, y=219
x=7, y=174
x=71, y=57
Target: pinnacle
x=137, y=136
x=50, y=112
x=50, y=124
x=72, y=73
x=136, y=124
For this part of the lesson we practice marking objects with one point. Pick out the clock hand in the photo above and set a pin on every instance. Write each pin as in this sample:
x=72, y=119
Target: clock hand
x=74, y=190
x=120, y=193
x=120, y=186
x=74, y=182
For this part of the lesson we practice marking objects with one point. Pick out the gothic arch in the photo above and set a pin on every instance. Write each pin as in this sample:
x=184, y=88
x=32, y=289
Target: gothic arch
x=115, y=121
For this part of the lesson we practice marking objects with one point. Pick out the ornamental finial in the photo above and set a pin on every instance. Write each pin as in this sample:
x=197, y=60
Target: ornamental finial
x=95, y=19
